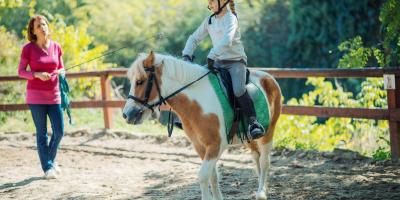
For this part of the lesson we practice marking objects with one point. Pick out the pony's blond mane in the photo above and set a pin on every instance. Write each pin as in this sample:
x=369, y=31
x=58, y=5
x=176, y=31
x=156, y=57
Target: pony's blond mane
x=173, y=67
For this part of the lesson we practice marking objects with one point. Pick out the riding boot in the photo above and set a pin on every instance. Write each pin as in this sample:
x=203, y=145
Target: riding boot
x=255, y=129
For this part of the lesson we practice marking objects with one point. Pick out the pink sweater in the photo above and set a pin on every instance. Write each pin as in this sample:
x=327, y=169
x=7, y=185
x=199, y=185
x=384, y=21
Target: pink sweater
x=38, y=91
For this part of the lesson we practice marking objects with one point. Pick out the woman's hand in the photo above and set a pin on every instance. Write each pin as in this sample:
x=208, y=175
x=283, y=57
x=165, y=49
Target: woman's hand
x=61, y=71
x=44, y=76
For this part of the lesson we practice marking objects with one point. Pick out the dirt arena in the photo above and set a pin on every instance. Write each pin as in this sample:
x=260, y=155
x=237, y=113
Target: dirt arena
x=121, y=165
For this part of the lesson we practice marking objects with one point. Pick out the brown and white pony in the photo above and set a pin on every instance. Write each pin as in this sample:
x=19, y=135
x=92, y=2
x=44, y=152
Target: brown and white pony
x=154, y=77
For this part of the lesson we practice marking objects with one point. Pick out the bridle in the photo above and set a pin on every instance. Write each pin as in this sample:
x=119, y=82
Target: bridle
x=150, y=81
x=153, y=80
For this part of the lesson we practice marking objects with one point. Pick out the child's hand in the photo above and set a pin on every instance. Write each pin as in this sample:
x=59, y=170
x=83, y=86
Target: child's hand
x=44, y=76
x=187, y=58
x=210, y=63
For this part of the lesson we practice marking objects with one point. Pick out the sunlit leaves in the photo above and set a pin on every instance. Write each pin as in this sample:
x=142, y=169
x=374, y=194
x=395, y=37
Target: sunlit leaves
x=78, y=48
x=11, y=3
x=312, y=133
x=356, y=55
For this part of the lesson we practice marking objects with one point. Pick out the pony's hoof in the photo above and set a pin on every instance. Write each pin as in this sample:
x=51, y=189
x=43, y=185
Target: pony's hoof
x=261, y=196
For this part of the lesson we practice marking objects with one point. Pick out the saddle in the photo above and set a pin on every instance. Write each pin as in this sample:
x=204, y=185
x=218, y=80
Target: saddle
x=239, y=123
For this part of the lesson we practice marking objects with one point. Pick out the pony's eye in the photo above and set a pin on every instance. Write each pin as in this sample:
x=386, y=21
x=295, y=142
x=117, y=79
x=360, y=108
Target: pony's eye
x=140, y=82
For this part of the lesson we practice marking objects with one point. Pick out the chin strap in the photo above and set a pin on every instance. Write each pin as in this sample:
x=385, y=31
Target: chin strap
x=219, y=9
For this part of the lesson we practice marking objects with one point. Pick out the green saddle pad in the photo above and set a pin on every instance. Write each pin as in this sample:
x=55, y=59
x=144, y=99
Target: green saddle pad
x=260, y=104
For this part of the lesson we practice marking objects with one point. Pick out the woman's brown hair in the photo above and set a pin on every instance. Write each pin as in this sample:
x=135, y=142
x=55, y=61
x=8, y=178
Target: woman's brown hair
x=31, y=36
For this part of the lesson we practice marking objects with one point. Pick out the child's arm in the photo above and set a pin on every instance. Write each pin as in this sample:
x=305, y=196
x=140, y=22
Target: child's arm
x=194, y=39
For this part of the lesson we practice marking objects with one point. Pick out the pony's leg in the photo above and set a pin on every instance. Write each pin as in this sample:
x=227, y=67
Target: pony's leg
x=264, y=160
x=256, y=159
x=206, y=170
x=216, y=192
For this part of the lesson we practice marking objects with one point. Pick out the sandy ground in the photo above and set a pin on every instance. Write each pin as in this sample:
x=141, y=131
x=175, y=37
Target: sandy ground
x=119, y=165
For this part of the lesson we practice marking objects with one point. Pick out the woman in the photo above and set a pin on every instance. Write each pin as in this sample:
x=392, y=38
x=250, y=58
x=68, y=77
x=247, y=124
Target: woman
x=44, y=58
x=227, y=53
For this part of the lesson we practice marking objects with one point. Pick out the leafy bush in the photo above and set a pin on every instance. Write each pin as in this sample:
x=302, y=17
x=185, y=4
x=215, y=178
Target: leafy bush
x=78, y=48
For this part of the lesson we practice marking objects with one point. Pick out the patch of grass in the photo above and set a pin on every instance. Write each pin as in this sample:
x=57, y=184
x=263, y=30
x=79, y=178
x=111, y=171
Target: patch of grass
x=382, y=154
x=18, y=121
x=21, y=121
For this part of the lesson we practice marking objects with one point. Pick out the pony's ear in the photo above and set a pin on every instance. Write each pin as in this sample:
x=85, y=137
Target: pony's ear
x=149, y=61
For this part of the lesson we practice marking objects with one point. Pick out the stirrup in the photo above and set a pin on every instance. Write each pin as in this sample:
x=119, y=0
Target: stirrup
x=255, y=130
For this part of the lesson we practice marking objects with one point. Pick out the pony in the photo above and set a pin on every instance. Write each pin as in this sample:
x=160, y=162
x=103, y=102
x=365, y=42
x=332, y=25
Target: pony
x=156, y=79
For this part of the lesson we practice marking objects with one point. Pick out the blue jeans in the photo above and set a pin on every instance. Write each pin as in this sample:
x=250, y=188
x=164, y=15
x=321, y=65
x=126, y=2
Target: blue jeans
x=47, y=150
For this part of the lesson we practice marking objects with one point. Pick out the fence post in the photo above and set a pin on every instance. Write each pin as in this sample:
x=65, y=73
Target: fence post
x=392, y=86
x=105, y=95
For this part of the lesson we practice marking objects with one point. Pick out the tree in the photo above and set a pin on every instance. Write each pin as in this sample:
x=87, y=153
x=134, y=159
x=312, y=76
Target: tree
x=390, y=18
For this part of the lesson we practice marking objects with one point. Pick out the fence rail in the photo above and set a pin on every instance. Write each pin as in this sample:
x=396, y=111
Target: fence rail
x=391, y=75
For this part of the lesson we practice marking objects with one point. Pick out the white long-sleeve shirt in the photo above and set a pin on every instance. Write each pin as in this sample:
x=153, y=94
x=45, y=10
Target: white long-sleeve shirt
x=225, y=37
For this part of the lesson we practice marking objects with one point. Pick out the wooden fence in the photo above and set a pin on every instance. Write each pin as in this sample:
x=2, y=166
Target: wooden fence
x=391, y=76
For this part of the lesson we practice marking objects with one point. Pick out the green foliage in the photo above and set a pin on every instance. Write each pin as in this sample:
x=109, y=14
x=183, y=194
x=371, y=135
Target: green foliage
x=9, y=52
x=372, y=94
x=357, y=55
x=78, y=47
x=369, y=137
x=26, y=8
x=143, y=20
x=298, y=132
x=325, y=94
x=10, y=3
x=10, y=92
x=12, y=8
x=311, y=133
x=306, y=132
x=386, y=55
x=390, y=18
x=266, y=37
x=382, y=154
x=318, y=27
x=293, y=33
x=66, y=9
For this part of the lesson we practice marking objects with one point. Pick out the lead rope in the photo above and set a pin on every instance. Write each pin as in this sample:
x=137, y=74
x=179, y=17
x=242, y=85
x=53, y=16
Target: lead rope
x=170, y=125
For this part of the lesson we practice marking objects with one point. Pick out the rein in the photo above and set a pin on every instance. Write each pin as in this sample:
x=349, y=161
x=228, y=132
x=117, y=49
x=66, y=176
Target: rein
x=157, y=36
x=162, y=100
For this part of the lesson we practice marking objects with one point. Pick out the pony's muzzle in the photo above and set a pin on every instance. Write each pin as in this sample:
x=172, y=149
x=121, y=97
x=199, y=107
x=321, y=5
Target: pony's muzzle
x=133, y=116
